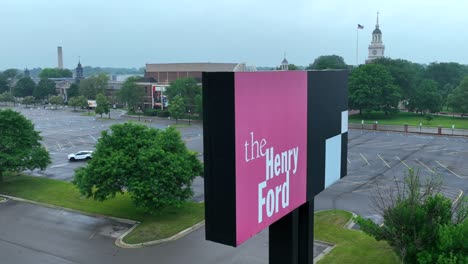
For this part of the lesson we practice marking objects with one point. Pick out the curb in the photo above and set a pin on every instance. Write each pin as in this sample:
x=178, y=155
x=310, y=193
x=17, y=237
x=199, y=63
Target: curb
x=119, y=241
x=121, y=220
x=327, y=250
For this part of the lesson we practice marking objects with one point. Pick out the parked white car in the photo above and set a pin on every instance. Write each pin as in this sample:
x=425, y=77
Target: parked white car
x=81, y=155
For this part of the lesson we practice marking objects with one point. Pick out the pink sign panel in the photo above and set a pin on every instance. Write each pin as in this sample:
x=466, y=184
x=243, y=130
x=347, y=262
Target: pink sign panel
x=271, y=142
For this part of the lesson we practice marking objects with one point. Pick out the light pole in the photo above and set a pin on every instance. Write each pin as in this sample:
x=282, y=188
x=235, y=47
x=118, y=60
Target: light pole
x=139, y=111
x=189, y=115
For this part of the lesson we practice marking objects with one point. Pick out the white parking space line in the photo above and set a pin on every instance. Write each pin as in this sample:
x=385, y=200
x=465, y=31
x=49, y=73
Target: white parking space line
x=349, y=161
x=71, y=143
x=60, y=165
x=58, y=145
x=458, y=197
x=93, y=138
x=433, y=172
x=445, y=167
x=364, y=159
x=402, y=162
x=436, y=146
x=383, y=161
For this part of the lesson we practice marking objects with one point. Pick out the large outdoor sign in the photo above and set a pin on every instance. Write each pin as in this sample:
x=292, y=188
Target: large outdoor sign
x=272, y=141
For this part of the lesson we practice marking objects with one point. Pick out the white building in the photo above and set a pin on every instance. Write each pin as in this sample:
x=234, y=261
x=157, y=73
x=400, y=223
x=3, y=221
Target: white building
x=376, y=48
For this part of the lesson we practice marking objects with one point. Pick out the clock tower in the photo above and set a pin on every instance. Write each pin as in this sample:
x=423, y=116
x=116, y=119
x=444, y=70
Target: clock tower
x=376, y=48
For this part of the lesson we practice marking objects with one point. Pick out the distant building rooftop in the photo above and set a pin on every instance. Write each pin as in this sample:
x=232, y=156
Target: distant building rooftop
x=191, y=67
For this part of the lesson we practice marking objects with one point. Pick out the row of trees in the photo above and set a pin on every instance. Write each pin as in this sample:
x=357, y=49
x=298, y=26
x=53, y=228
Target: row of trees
x=384, y=83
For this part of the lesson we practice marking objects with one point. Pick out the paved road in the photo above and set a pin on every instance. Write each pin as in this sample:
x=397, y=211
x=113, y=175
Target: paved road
x=30, y=235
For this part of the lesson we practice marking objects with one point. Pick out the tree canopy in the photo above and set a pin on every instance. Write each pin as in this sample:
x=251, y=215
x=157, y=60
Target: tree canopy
x=327, y=62
x=20, y=146
x=4, y=87
x=44, y=88
x=73, y=90
x=28, y=100
x=187, y=88
x=426, y=97
x=406, y=74
x=6, y=97
x=55, y=73
x=177, y=107
x=91, y=86
x=78, y=101
x=447, y=75
x=153, y=166
x=24, y=87
x=102, y=104
x=130, y=93
x=56, y=100
x=371, y=88
x=458, y=99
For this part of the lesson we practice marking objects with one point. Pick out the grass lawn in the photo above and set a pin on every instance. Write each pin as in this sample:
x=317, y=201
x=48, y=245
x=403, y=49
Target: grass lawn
x=411, y=119
x=91, y=113
x=351, y=246
x=165, y=223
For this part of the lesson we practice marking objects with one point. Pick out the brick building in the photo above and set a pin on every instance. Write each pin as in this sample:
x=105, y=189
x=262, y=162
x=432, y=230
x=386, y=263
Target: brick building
x=159, y=76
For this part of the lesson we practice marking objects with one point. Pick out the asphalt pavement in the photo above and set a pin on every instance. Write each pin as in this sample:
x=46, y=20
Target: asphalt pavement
x=33, y=234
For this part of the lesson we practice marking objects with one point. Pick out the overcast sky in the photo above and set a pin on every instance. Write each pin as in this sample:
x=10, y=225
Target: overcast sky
x=124, y=33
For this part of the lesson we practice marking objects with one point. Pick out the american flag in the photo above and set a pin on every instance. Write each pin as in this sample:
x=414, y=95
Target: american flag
x=359, y=26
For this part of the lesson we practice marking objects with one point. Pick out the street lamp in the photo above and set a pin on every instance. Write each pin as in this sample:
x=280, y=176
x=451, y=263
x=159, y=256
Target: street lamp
x=139, y=111
x=189, y=115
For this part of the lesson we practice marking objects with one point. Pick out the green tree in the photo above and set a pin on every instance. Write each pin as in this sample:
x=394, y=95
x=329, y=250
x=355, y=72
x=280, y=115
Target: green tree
x=327, y=62
x=199, y=105
x=4, y=87
x=415, y=215
x=44, y=88
x=177, y=108
x=445, y=73
x=24, y=87
x=56, y=100
x=130, y=93
x=6, y=97
x=20, y=148
x=187, y=88
x=28, y=100
x=390, y=98
x=426, y=98
x=102, y=105
x=153, y=166
x=11, y=76
x=371, y=88
x=11, y=73
x=406, y=75
x=73, y=91
x=55, y=73
x=91, y=86
x=78, y=101
x=458, y=99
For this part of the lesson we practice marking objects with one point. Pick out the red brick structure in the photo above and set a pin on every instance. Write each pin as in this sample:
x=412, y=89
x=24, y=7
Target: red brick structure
x=165, y=73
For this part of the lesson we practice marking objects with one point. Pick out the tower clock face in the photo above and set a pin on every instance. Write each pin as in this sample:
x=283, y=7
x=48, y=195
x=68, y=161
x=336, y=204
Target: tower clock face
x=374, y=52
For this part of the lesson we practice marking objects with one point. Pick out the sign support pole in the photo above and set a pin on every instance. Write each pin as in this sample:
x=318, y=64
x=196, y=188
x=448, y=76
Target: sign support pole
x=291, y=239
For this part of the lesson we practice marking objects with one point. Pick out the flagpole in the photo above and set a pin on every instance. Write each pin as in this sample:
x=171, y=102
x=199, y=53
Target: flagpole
x=357, y=44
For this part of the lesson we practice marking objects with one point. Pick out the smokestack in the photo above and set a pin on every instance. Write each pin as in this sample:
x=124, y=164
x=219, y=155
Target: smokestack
x=60, y=57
